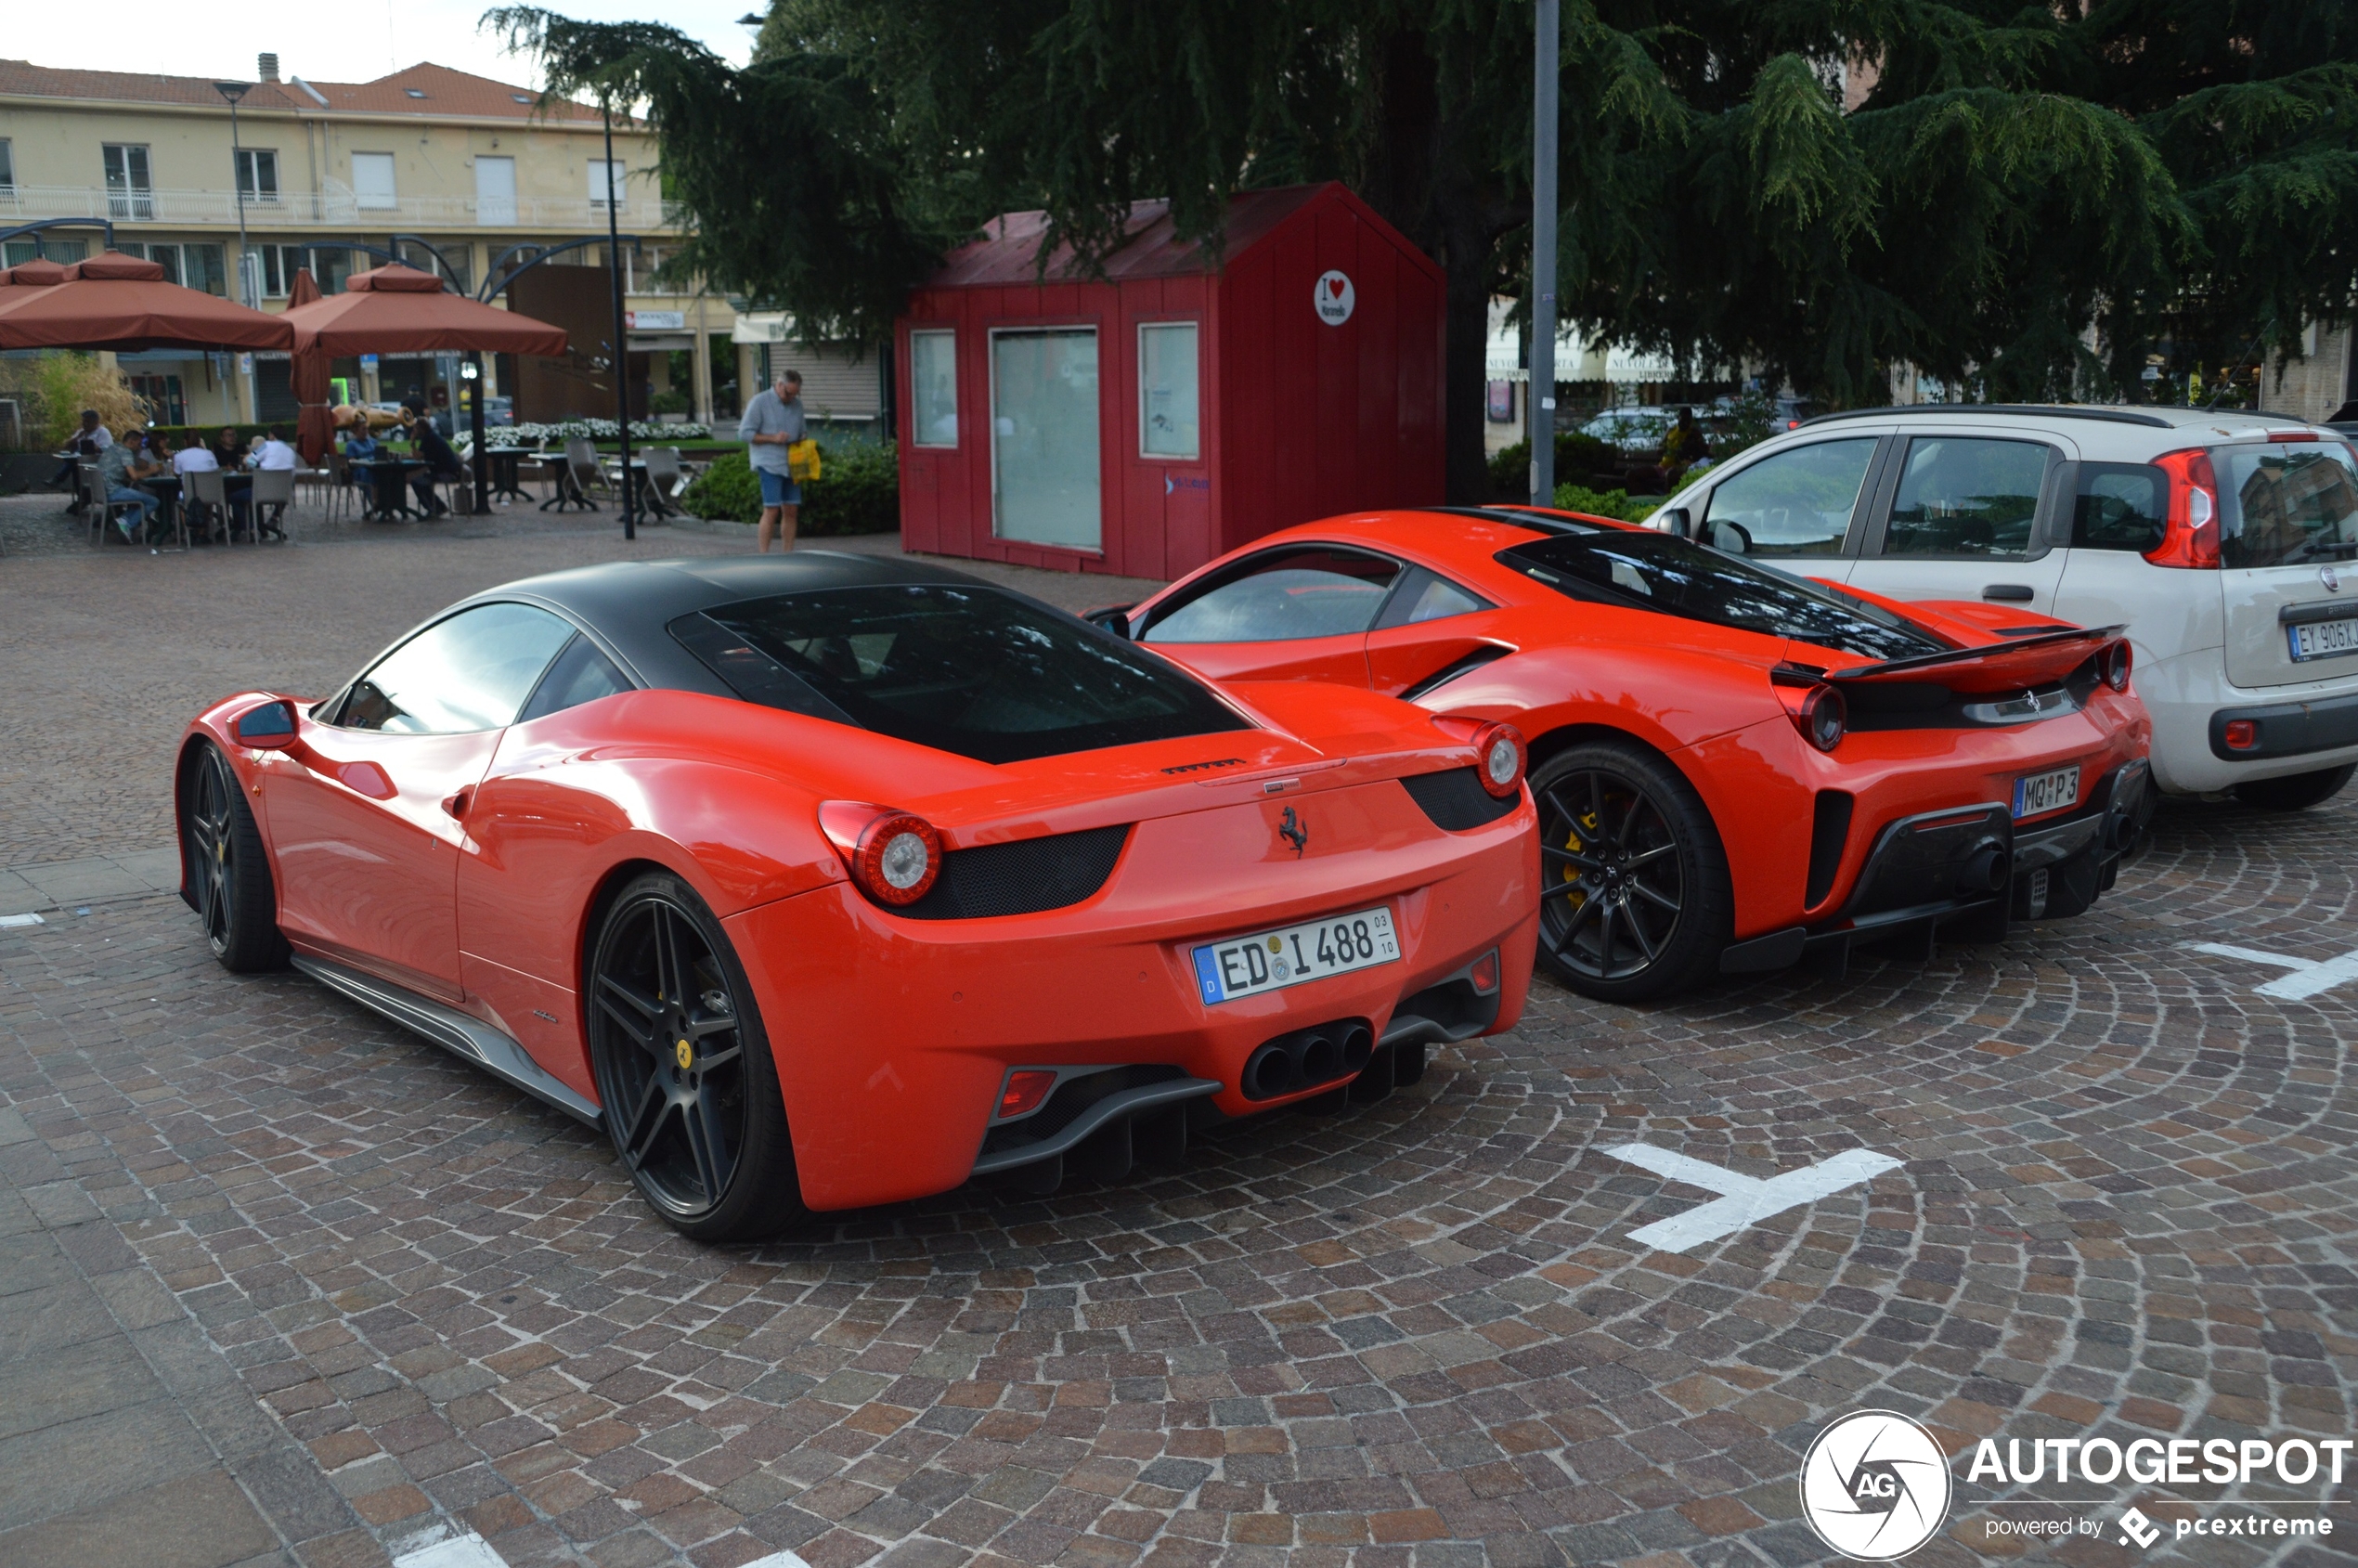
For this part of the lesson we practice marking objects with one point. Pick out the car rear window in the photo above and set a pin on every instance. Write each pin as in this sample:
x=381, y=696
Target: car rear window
x=962, y=668
x=2287, y=504
x=1675, y=576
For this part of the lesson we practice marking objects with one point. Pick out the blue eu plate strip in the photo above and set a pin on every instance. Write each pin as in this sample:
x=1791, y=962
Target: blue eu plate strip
x=1207, y=974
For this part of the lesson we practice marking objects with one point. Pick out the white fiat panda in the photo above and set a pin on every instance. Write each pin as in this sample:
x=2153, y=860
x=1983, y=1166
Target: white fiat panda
x=2228, y=543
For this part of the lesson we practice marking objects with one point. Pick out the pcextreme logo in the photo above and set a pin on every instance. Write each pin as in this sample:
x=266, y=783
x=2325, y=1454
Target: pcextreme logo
x=1874, y=1485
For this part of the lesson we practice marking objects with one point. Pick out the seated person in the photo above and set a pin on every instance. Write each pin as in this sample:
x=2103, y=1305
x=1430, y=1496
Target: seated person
x=197, y=457
x=120, y=467
x=272, y=455
x=89, y=441
x=360, y=445
x=441, y=463
x=228, y=450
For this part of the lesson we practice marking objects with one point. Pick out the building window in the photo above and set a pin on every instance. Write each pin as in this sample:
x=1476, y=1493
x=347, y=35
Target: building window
x=373, y=180
x=933, y=388
x=130, y=193
x=65, y=252
x=1167, y=422
x=280, y=265
x=257, y=174
x=607, y=182
x=7, y=168
x=162, y=395
x=191, y=266
x=1043, y=443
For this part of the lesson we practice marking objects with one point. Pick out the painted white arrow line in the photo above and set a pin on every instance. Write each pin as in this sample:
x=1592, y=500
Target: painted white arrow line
x=2309, y=977
x=1745, y=1198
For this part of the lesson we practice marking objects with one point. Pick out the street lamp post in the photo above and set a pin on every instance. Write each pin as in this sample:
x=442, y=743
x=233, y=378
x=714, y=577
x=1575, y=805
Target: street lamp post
x=1539, y=396
x=621, y=339
x=233, y=91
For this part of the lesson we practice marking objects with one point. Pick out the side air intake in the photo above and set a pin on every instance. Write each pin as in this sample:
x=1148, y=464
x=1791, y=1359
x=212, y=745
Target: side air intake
x=1456, y=801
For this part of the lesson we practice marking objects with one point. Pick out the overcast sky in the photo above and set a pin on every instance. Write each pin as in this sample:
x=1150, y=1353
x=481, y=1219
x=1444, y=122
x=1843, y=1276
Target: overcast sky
x=326, y=40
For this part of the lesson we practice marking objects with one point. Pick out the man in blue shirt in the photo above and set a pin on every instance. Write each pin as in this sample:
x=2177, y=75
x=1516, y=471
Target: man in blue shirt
x=772, y=423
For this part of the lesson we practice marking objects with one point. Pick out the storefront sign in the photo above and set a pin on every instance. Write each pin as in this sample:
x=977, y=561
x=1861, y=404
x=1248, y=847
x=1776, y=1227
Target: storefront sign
x=1334, y=297
x=656, y=320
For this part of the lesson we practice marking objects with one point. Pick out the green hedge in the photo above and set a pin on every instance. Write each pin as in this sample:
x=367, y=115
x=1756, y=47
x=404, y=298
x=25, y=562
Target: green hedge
x=1607, y=503
x=858, y=492
x=1576, y=453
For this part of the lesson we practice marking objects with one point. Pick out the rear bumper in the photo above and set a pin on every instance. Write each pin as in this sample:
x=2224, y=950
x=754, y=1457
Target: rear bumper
x=1957, y=867
x=2289, y=729
x=893, y=1037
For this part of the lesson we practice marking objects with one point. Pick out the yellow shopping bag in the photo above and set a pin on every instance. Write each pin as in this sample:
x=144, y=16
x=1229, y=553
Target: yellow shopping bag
x=802, y=460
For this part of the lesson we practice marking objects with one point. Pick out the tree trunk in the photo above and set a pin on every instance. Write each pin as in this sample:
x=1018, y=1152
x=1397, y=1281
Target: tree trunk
x=1419, y=179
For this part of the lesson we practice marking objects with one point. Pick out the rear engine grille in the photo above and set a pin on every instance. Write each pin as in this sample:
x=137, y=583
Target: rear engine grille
x=1021, y=878
x=1455, y=799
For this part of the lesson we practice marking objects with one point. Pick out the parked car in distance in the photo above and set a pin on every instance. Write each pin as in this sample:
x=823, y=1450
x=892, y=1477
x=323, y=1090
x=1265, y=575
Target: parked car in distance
x=1734, y=768
x=836, y=880
x=2227, y=542
x=1632, y=431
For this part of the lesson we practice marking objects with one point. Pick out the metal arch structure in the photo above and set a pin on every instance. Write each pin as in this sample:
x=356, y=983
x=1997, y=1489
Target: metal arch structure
x=45, y=224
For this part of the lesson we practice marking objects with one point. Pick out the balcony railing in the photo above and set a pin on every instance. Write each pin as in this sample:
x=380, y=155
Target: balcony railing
x=337, y=208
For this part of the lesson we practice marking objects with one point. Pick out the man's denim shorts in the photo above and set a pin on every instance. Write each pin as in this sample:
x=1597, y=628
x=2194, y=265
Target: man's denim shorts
x=779, y=489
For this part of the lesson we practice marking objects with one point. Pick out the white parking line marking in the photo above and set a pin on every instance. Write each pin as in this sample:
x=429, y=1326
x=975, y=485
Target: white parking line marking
x=1745, y=1198
x=779, y=1560
x=2308, y=975
x=465, y=1549
x=8, y=920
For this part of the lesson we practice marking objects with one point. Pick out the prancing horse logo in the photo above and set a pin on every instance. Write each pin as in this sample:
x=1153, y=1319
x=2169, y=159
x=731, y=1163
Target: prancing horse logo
x=1294, y=832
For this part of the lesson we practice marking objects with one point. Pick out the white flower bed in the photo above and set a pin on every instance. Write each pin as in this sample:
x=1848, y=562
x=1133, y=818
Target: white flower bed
x=593, y=430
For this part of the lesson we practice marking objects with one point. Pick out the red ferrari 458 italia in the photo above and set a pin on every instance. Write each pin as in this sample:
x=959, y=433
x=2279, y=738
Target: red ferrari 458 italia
x=833, y=880
x=1734, y=766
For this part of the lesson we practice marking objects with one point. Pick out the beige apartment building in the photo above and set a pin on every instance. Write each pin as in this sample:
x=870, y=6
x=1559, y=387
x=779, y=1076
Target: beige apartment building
x=425, y=162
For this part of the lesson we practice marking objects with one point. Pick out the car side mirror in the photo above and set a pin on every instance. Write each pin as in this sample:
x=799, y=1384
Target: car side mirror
x=1733, y=538
x=269, y=727
x=1677, y=524
x=1112, y=617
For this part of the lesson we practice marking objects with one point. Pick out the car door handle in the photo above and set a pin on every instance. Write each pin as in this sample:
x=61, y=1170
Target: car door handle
x=455, y=805
x=2013, y=593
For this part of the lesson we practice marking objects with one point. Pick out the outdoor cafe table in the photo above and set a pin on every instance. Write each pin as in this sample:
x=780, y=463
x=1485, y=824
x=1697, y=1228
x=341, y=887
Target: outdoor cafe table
x=507, y=481
x=388, y=492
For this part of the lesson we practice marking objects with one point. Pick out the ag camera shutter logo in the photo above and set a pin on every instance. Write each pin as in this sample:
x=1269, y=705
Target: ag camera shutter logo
x=1334, y=297
x=1874, y=1485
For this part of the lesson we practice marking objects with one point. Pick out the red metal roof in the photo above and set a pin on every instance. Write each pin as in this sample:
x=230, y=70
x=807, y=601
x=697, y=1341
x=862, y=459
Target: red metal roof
x=446, y=93
x=1010, y=247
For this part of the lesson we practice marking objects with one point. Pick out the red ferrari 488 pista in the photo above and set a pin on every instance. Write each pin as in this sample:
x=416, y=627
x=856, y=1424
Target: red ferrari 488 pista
x=834, y=880
x=1734, y=766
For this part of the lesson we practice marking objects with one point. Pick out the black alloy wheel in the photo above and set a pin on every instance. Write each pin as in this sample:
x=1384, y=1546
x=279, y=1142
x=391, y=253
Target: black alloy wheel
x=226, y=868
x=1634, y=899
x=689, y=1097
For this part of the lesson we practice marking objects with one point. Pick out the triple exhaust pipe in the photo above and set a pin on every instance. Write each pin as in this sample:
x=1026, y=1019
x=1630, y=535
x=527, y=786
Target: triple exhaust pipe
x=1307, y=1057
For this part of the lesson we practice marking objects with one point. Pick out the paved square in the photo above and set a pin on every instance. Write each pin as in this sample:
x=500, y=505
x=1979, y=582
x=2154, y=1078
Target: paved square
x=279, y=1283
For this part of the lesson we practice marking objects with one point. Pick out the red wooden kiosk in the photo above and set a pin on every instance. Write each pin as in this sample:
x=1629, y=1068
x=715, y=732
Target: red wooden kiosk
x=1145, y=421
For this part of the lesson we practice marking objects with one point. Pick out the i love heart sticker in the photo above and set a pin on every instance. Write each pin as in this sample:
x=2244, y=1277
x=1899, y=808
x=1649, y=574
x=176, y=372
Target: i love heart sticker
x=1334, y=297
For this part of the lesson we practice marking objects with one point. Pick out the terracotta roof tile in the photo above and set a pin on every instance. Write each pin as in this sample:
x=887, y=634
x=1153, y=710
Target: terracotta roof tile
x=447, y=92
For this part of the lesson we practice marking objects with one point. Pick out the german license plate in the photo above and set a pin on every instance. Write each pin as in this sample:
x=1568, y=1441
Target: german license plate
x=1273, y=960
x=2321, y=639
x=2047, y=792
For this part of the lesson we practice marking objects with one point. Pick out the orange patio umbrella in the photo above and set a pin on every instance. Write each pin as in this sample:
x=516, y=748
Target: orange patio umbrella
x=314, y=421
x=399, y=309
x=121, y=303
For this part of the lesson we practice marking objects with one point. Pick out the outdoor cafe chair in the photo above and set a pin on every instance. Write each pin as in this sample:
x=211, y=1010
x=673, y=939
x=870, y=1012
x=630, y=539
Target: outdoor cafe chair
x=99, y=511
x=203, y=488
x=582, y=469
x=273, y=489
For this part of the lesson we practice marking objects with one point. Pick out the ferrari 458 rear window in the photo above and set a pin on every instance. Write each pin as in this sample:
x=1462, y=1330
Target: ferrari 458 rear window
x=969, y=670
x=1647, y=571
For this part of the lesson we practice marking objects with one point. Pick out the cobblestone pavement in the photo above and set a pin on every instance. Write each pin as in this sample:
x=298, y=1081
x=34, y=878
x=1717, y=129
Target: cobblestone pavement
x=1412, y=1335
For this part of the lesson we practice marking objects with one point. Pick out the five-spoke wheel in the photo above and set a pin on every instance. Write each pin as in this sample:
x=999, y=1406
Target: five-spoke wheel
x=226, y=874
x=1634, y=898
x=683, y=1075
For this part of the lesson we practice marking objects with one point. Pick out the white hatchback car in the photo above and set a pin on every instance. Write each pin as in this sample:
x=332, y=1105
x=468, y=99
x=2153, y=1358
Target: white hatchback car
x=2228, y=543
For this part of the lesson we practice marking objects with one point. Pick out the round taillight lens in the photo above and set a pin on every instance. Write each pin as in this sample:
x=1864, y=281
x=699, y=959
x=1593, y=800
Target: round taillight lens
x=1499, y=750
x=897, y=858
x=1822, y=717
x=2115, y=666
